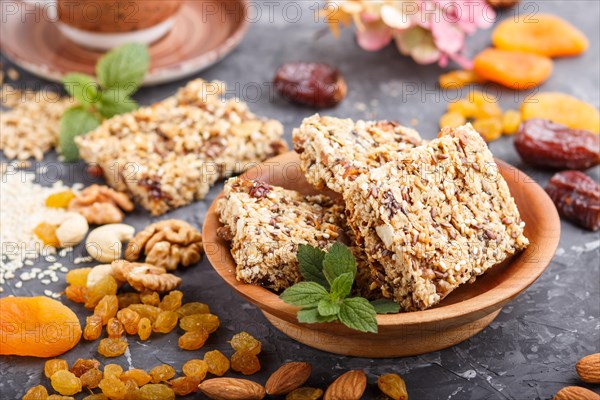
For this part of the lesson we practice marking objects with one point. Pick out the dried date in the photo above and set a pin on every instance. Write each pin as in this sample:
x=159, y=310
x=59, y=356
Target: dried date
x=312, y=84
x=577, y=198
x=544, y=143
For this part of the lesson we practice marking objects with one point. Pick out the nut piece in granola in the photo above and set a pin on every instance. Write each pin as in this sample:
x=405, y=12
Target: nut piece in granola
x=169, y=154
x=438, y=217
x=101, y=205
x=167, y=244
x=144, y=276
x=333, y=151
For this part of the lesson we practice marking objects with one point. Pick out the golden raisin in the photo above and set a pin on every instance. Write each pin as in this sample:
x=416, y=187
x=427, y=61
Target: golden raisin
x=107, y=308
x=98, y=396
x=91, y=378
x=172, y=301
x=59, y=397
x=114, y=328
x=110, y=347
x=185, y=385
x=78, y=276
x=393, y=386
x=463, y=107
x=78, y=294
x=150, y=298
x=114, y=370
x=452, y=120
x=144, y=328
x=195, y=368
x=132, y=388
x=140, y=376
x=56, y=364
x=47, y=234
x=245, y=362
x=82, y=366
x=305, y=393
x=38, y=392
x=60, y=199
x=510, y=122
x=193, y=308
x=113, y=387
x=217, y=363
x=489, y=109
x=243, y=341
x=104, y=287
x=146, y=311
x=193, y=340
x=458, y=79
x=93, y=327
x=129, y=319
x=156, y=391
x=165, y=322
x=65, y=382
x=127, y=299
x=208, y=322
x=490, y=129
x=162, y=373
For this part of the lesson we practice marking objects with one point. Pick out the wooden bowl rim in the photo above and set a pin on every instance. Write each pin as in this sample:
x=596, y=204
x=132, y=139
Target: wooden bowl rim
x=481, y=304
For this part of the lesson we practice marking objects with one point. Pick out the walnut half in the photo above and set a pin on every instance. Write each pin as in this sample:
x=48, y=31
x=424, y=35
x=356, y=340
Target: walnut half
x=101, y=205
x=143, y=276
x=167, y=244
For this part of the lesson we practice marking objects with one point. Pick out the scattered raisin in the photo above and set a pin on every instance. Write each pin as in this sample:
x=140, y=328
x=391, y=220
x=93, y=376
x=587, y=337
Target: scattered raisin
x=577, y=198
x=172, y=301
x=511, y=119
x=490, y=129
x=185, y=385
x=393, y=386
x=47, y=234
x=127, y=299
x=243, y=341
x=193, y=308
x=305, y=393
x=193, y=340
x=140, y=376
x=114, y=370
x=113, y=387
x=93, y=327
x=114, y=328
x=91, y=379
x=65, y=382
x=110, y=347
x=452, y=120
x=78, y=277
x=208, y=322
x=156, y=392
x=105, y=286
x=98, y=396
x=463, y=107
x=165, y=322
x=217, y=363
x=146, y=311
x=78, y=294
x=56, y=364
x=129, y=319
x=82, y=366
x=38, y=392
x=150, y=298
x=107, y=307
x=195, y=368
x=162, y=373
x=144, y=328
x=245, y=362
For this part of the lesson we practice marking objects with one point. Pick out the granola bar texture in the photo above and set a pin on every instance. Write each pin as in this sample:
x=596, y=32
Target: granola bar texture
x=265, y=225
x=334, y=151
x=170, y=154
x=435, y=219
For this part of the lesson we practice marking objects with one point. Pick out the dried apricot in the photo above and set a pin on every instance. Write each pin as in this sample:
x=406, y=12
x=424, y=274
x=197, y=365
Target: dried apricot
x=130, y=320
x=513, y=69
x=243, y=341
x=78, y=276
x=162, y=373
x=217, y=363
x=193, y=340
x=78, y=294
x=172, y=301
x=545, y=34
x=114, y=328
x=140, y=376
x=65, y=382
x=114, y=370
x=490, y=129
x=511, y=120
x=452, y=120
x=110, y=347
x=165, y=322
x=81, y=366
x=208, y=322
x=37, y=326
x=150, y=298
x=60, y=199
x=107, y=308
x=144, y=328
x=193, y=308
x=56, y=364
x=245, y=362
x=156, y=392
x=105, y=286
x=185, y=385
x=562, y=108
x=93, y=327
x=38, y=392
x=393, y=386
x=459, y=78
x=47, y=234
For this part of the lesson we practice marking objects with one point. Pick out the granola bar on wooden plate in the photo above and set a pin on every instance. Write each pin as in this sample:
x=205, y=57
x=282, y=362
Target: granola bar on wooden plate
x=170, y=154
x=436, y=218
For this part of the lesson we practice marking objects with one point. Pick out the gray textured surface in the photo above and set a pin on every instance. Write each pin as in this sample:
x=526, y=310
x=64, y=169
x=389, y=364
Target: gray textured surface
x=528, y=352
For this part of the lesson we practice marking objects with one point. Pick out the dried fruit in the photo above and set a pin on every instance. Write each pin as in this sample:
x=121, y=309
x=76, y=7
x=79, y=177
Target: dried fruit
x=91, y=379
x=305, y=393
x=232, y=389
x=563, y=109
x=98, y=396
x=546, y=144
x=47, y=234
x=172, y=301
x=588, y=368
x=288, y=377
x=56, y=364
x=185, y=385
x=349, y=386
x=193, y=340
x=78, y=294
x=38, y=392
x=129, y=319
x=105, y=286
x=459, y=78
x=193, y=308
x=217, y=363
x=463, y=107
x=490, y=129
x=548, y=35
x=60, y=199
x=59, y=397
x=575, y=393
x=165, y=322
x=113, y=387
x=78, y=276
x=452, y=120
x=208, y=322
x=312, y=84
x=243, y=341
x=107, y=308
x=140, y=376
x=146, y=311
x=393, y=386
x=82, y=366
x=487, y=109
x=513, y=69
x=132, y=388
x=150, y=298
x=144, y=328
x=195, y=368
x=110, y=347
x=162, y=373
x=510, y=122
x=113, y=370
x=576, y=197
x=502, y=4
x=93, y=327
x=37, y=326
x=127, y=299
x=65, y=382
x=156, y=392
x=114, y=328
x=245, y=362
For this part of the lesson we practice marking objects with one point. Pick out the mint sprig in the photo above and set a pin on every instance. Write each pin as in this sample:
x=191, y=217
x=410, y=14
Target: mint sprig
x=120, y=72
x=323, y=296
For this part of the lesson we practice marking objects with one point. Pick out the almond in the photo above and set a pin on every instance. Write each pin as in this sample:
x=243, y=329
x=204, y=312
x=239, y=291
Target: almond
x=349, y=386
x=288, y=377
x=588, y=368
x=232, y=389
x=575, y=393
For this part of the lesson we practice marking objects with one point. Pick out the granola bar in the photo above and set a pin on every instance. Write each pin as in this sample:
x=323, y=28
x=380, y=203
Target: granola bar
x=435, y=219
x=170, y=154
x=265, y=224
x=333, y=151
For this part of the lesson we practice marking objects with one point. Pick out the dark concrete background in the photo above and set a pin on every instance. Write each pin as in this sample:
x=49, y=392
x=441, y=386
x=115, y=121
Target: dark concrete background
x=528, y=352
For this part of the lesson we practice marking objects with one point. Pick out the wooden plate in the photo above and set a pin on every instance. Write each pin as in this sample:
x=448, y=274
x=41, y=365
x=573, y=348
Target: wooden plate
x=198, y=40
x=465, y=312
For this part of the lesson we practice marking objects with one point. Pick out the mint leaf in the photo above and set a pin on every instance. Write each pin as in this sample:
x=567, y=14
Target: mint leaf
x=357, y=313
x=83, y=88
x=385, y=306
x=115, y=102
x=124, y=67
x=74, y=122
x=342, y=285
x=328, y=307
x=311, y=316
x=310, y=260
x=337, y=261
x=304, y=294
